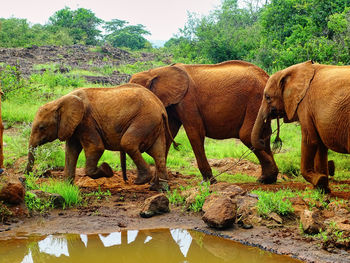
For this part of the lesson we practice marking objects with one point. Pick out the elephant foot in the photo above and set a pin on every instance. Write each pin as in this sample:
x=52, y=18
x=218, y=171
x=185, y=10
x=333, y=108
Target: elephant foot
x=143, y=179
x=322, y=183
x=269, y=175
x=331, y=168
x=267, y=179
x=212, y=180
x=103, y=171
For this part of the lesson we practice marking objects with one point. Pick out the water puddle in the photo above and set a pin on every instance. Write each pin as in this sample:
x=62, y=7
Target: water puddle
x=166, y=245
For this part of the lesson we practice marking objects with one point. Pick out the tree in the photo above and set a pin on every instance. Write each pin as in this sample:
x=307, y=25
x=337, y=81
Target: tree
x=119, y=34
x=82, y=24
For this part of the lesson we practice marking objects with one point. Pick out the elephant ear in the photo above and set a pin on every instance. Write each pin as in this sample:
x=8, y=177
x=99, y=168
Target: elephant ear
x=70, y=113
x=170, y=84
x=294, y=82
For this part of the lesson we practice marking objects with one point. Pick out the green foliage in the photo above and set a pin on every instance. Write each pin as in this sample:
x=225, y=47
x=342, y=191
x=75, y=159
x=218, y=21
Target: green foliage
x=15, y=32
x=33, y=203
x=99, y=195
x=52, y=80
x=66, y=189
x=11, y=81
x=204, y=191
x=315, y=197
x=70, y=193
x=82, y=24
x=48, y=156
x=4, y=212
x=272, y=34
x=274, y=202
x=175, y=197
x=122, y=35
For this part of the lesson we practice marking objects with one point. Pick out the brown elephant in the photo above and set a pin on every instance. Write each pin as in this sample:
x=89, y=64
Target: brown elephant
x=317, y=96
x=128, y=118
x=218, y=101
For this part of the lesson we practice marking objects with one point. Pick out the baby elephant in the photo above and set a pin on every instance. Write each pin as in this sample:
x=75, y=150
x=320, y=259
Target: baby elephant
x=128, y=118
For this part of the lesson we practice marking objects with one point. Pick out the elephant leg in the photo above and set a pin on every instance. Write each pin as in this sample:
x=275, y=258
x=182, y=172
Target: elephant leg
x=130, y=144
x=196, y=136
x=157, y=151
x=321, y=160
x=91, y=169
x=72, y=151
x=331, y=168
x=308, y=156
x=269, y=169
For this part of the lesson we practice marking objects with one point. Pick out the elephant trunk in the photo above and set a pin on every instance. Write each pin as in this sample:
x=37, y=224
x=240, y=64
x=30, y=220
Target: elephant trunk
x=31, y=157
x=257, y=141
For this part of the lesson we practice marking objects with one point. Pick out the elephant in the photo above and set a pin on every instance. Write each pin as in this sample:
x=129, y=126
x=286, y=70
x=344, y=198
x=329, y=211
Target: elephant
x=218, y=101
x=318, y=97
x=127, y=118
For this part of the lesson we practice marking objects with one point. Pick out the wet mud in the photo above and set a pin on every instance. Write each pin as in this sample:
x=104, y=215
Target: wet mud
x=121, y=210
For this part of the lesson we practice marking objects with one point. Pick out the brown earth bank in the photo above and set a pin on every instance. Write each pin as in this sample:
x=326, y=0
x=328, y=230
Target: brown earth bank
x=75, y=56
x=122, y=209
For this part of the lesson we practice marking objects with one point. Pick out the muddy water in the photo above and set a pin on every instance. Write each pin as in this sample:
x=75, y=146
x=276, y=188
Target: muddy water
x=132, y=246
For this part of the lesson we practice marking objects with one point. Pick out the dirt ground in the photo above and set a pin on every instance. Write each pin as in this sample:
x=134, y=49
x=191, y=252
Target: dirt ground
x=121, y=211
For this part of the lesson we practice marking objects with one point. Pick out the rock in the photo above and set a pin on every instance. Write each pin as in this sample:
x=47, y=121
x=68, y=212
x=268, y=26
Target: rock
x=155, y=205
x=221, y=213
x=298, y=204
x=312, y=221
x=11, y=190
x=228, y=189
x=210, y=201
x=275, y=217
x=56, y=199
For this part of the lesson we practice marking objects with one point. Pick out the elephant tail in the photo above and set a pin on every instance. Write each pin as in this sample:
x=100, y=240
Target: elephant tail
x=123, y=165
x=167, y=128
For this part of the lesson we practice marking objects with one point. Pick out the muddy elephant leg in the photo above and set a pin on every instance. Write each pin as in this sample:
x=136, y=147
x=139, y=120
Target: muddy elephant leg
x=91, y=169
x=130, y=145
x=196, y=136
x=157, y=152
x=72, y=151
x=308, y=156
x=269, y=169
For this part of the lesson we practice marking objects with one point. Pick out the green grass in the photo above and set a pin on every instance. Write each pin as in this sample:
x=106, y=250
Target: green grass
x=277, y=202
x=33, y=203
x=139, y=66
x=176, y=198
x=70, y=193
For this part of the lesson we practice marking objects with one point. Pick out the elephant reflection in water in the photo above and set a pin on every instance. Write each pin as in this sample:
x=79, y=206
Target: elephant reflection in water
x=174, y=245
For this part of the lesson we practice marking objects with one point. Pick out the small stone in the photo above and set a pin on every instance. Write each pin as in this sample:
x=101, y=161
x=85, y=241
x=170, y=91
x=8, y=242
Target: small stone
x=276, y=218
x=121, y=224
x=155, y=205
x=312, y=221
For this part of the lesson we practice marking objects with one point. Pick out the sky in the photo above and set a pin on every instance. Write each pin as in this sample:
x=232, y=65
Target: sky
x=162, y=18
